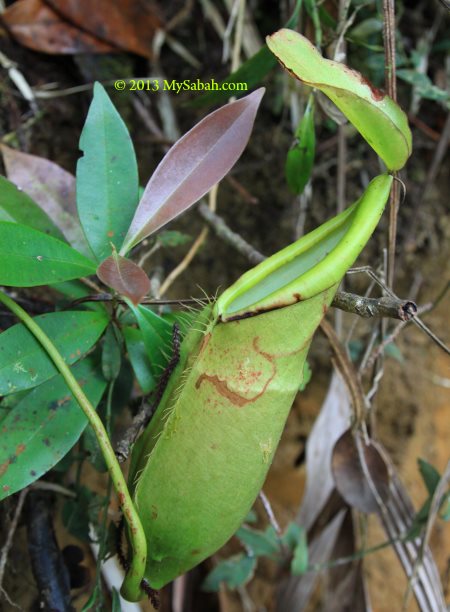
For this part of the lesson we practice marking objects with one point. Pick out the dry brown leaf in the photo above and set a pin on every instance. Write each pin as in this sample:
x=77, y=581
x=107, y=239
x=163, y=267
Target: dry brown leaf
x=128, y=24
x=360, y=473
x=36, y=26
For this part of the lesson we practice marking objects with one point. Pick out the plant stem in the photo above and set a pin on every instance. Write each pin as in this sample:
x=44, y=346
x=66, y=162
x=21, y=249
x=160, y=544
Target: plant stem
x=131, y=585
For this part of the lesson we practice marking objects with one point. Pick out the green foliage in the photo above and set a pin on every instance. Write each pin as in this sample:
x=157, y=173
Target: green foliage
x=80, y=512
x=24, y=364
x=234, y=572
x=172, y=238
x=260, y=543
x=300, y=158
x=111, y=354
x=18, y=207
x=376, y=116
x=44, y=426
x=107, y=177
x=31, y=258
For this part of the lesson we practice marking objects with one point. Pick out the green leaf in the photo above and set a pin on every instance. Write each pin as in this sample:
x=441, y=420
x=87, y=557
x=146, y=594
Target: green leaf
x=92, y=449
x=364, y=29
x=171, y=238
x=111, y=355
x=251, y=517
x=29, y=258
x=299, y=563
x=423, y=85
x=43, y=427
x=312, y=10
x=260, y=542
x=107, y=177
x=300, y=158
x=116, y=607
x=18, y=207
x=251, y=72
x=393, y=351
x=295, y=538
x=78, y=513
x=292, y=536
x=376, y=116
x=74, y=290
x=429, y=474
x=138, y=357
x=24, y=364
x=444, y=512
x=156, y=334
x=234, y=572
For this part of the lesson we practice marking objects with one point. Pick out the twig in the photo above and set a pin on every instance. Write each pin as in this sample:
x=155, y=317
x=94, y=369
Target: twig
x=227, y=235
x=194, y=248
x=432, y=513
x=236, y=53
x=391, y=86
x=185, y=262
x=270, y=513
x=347, y=369
x=19, y=81
x=367, y=307
x=11, y=531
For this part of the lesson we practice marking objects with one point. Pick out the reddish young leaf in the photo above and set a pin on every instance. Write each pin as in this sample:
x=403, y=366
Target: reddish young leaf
x=37, y=26
x=125, y=277
x=199, y=160
x=127, y=24
x=50, y=186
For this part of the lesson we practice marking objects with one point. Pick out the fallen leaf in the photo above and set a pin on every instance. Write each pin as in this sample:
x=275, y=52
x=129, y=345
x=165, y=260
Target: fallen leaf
x=128, y=24
x=36, y=26
x=360, y=472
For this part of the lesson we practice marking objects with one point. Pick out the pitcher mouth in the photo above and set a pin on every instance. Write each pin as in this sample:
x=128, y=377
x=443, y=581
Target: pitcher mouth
x=313, y=264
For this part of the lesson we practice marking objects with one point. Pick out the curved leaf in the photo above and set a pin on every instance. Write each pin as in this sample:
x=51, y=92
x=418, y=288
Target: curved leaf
x=25, y=364
x=30, y=258
x=156, y=335
x=138, y=358
x=374, y=114
x=126, y=277
x=43, y=427
x=17, y=207
x=107, y=176
x=52, y=188
x=199, y=160
x=300, y=158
